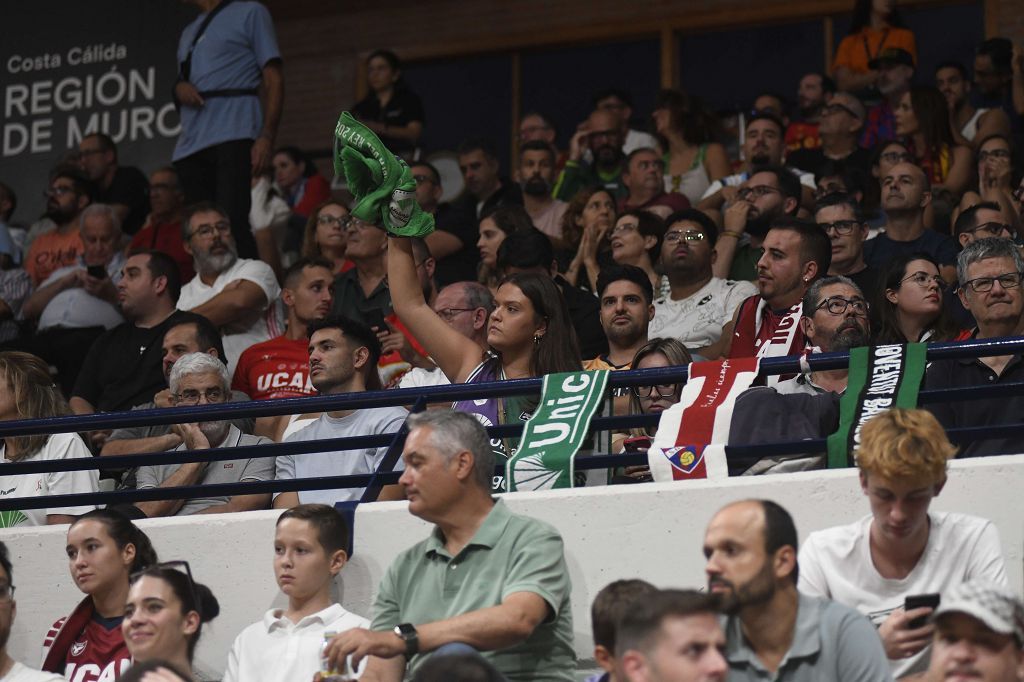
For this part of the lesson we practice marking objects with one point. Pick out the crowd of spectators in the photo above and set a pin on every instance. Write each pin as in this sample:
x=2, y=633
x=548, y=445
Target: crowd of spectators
x=885, y=207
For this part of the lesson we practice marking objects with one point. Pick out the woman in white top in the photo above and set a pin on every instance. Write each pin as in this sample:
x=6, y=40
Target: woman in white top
x=693, y=159
x=28, y=392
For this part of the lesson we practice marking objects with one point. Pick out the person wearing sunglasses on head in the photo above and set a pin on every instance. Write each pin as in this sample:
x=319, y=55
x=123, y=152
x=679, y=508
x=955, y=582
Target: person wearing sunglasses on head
x=103, y=549
x=164, y=615
x=698, y=309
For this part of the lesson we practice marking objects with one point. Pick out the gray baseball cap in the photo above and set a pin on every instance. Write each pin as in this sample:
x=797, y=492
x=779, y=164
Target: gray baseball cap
x=994, y=605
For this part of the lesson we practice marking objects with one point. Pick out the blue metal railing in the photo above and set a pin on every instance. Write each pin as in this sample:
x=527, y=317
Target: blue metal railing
x=737, y=455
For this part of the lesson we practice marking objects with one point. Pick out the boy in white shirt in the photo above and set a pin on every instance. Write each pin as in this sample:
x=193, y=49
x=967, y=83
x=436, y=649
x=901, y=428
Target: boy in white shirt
x=309, y=552
x=901, y=549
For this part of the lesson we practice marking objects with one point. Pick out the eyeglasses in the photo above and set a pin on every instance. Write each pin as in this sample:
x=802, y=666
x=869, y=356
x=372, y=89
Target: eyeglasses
x=828, y=188
x=624, y=228
x=834, y=107
x=756, y=192
x=689, y=235
x=663, y=390
x=924, y=280
x=993, y=228
x=448, y=314
x=206, y=231
x=191, y=396
x=1010, y=280
x=896, y=157
x=837, y=305
x=994, y=154
x=6, y=593
x=327, y=219
x=181, y=567
x=58, y=191
x=423, y=178
x=842, y=227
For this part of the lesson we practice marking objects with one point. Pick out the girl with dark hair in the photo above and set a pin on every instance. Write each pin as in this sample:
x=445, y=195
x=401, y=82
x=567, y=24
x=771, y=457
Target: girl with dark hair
x=494, y=227
x=27, y=392
x=910, y=307
x=298, y=181
x=876, y=26
x=636, y=240
x=391, y=109
x=164, y=614
x=922, y=120
x=688, y=131
x=529, y=334
x=326, y=235
x=104, y=548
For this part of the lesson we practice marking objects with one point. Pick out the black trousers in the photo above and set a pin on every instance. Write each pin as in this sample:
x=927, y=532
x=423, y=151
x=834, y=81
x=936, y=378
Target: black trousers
x=222, y=174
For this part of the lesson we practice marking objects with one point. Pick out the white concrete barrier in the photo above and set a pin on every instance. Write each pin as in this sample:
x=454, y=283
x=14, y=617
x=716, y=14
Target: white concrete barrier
x=652, y=531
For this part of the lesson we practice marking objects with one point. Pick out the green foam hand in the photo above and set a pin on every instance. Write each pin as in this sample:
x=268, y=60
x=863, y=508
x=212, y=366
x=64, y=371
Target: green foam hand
x=382, y=183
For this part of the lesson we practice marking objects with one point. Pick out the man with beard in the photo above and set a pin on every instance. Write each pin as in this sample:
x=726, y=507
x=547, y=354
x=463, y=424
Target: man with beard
x=796, y=252
x=906, y=192
x=979, y=634
x=625, y=293
x=343, y=357
x=700, y=307
x=762, y=146
x=814, y=90
x=11, y=670
x=835, y=319
x=840, y=123
x=895, y=68
x=198, y=378
x=536, y=174
x=968, y=121
x=123, y=187
x=770, y=193
x=772, y=631
x=874, y=564
x=70, y=192
x=486, y=189
x=602, y=135
x=644, y=179
x=230, y=292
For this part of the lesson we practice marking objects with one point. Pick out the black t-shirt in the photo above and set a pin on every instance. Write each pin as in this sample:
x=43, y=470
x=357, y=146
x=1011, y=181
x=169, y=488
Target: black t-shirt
x=585, y=314
x=813, y=160
x=124, y=367
x=878, y=252
x=403, y=108
x=460, y=266
x=130, y=188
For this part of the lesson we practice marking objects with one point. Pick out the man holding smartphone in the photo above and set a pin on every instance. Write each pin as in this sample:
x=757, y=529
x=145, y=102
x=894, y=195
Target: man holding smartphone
x=890, y=564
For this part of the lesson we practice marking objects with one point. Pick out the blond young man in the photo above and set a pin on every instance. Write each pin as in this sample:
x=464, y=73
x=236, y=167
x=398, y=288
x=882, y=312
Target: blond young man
x=901, y=548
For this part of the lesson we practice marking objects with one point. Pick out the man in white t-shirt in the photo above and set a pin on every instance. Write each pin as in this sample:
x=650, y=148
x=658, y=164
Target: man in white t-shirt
x=11, y=670
x=901, y=549
x=231, y=292
x=700, y=307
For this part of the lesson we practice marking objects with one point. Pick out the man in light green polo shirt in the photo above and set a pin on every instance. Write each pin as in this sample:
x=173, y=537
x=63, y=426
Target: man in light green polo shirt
x=485, y=579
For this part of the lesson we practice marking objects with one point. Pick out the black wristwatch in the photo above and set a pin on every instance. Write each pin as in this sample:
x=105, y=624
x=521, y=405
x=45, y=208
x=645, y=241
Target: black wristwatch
x=407, y=631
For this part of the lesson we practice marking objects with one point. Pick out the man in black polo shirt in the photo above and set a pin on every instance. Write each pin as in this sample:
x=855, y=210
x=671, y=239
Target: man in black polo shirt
x=123, y=367
x=990, y=272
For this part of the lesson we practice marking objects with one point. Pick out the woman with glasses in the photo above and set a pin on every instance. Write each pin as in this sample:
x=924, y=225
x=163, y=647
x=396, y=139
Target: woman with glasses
x=922, y=120
x=650, y=399
x=688, y=131
x=164, y=614
x=998, y=179
x=636, y=240
x=27, y=392
x=326, y=235
x=911, y=306
x=586, y=224
x=104, y=548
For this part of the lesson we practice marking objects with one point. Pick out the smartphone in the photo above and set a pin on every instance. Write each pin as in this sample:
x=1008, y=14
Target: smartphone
x=97, y=271
x=375, y=320
x=916, y=601
x=637, y=444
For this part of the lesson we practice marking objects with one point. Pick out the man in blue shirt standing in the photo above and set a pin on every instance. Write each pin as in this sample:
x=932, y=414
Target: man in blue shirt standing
x=224, y=56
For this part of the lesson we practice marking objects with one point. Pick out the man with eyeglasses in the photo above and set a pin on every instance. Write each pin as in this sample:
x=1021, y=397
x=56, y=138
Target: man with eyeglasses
x=644, y=179
x=279, y=367
x=770, y=193
x=201, y=379
x=984, y=220
x=839, y=127
x=990, y=287
x=839, y=216
x=162, y=229
x=232, y=292
x=10, y=669
x=906, y=194
x=953, y=81
x=69, y=194
x=699, y=309
x=123, y=187
x=601, y=134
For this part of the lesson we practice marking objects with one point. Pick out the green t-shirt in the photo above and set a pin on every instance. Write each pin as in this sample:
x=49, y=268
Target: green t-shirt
x=508, y=554
x=744, y=262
